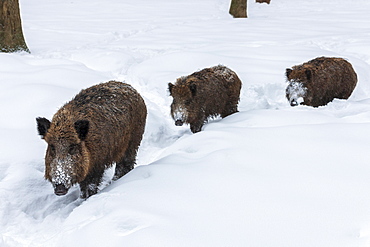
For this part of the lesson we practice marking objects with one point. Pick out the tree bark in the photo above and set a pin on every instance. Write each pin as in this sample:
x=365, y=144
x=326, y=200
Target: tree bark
x=238, y=8
x=11, y=34
x=263, y=1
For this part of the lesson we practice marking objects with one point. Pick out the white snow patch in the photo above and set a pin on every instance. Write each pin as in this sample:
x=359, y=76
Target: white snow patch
x=62, y=170
x=180, y=113
x=296, y=92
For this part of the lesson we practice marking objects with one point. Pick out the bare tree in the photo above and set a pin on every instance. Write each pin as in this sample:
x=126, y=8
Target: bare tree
x=11, y=34
x=238, y=8
x=263, y=1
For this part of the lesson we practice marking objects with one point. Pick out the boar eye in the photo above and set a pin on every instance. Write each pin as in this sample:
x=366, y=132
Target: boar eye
x=73, y=149
x=52, y=149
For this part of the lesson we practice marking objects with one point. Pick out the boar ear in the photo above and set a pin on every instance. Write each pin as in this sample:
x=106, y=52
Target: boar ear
x=42, y=126
x=170, y=86
x=193, y=89
x=82, y=128
x=308, y=74
x=287, y=73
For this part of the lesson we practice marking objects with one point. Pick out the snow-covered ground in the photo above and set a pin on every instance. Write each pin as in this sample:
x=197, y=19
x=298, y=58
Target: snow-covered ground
x=268, y=176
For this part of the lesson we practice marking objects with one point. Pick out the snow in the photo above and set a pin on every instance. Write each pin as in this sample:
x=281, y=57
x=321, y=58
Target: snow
x=61, y=171
x=296, y=92
x=269, y=175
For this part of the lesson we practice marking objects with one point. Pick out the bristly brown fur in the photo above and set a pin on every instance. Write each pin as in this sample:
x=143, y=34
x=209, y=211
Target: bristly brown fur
x=324, y=78
x=206, y=93
x=105, y=124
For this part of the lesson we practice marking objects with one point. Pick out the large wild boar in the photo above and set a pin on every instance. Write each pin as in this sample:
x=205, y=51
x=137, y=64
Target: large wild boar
x=319, y=81
x=101, y=126
x=207, y=93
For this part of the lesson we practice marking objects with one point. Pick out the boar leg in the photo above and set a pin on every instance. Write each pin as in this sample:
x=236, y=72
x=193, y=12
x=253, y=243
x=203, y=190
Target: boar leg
x=230, y=107
x=123, y=167
x=196, y=126
x=91, y=183
x=228, y=112
x=128, y=161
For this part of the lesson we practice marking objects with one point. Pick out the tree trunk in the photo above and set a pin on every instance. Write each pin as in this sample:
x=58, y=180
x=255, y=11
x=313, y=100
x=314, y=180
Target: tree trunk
x=11, y=35
x=263, y=1
x=238, y=8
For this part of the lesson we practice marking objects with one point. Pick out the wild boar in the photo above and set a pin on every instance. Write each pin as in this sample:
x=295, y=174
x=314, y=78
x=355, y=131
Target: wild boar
x=319, y=81
x=101, y=126
x=207, y=93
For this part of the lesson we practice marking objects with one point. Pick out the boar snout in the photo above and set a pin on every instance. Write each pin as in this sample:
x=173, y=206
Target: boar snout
x=60, y=190
x=293, y=103
x=179, y=122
